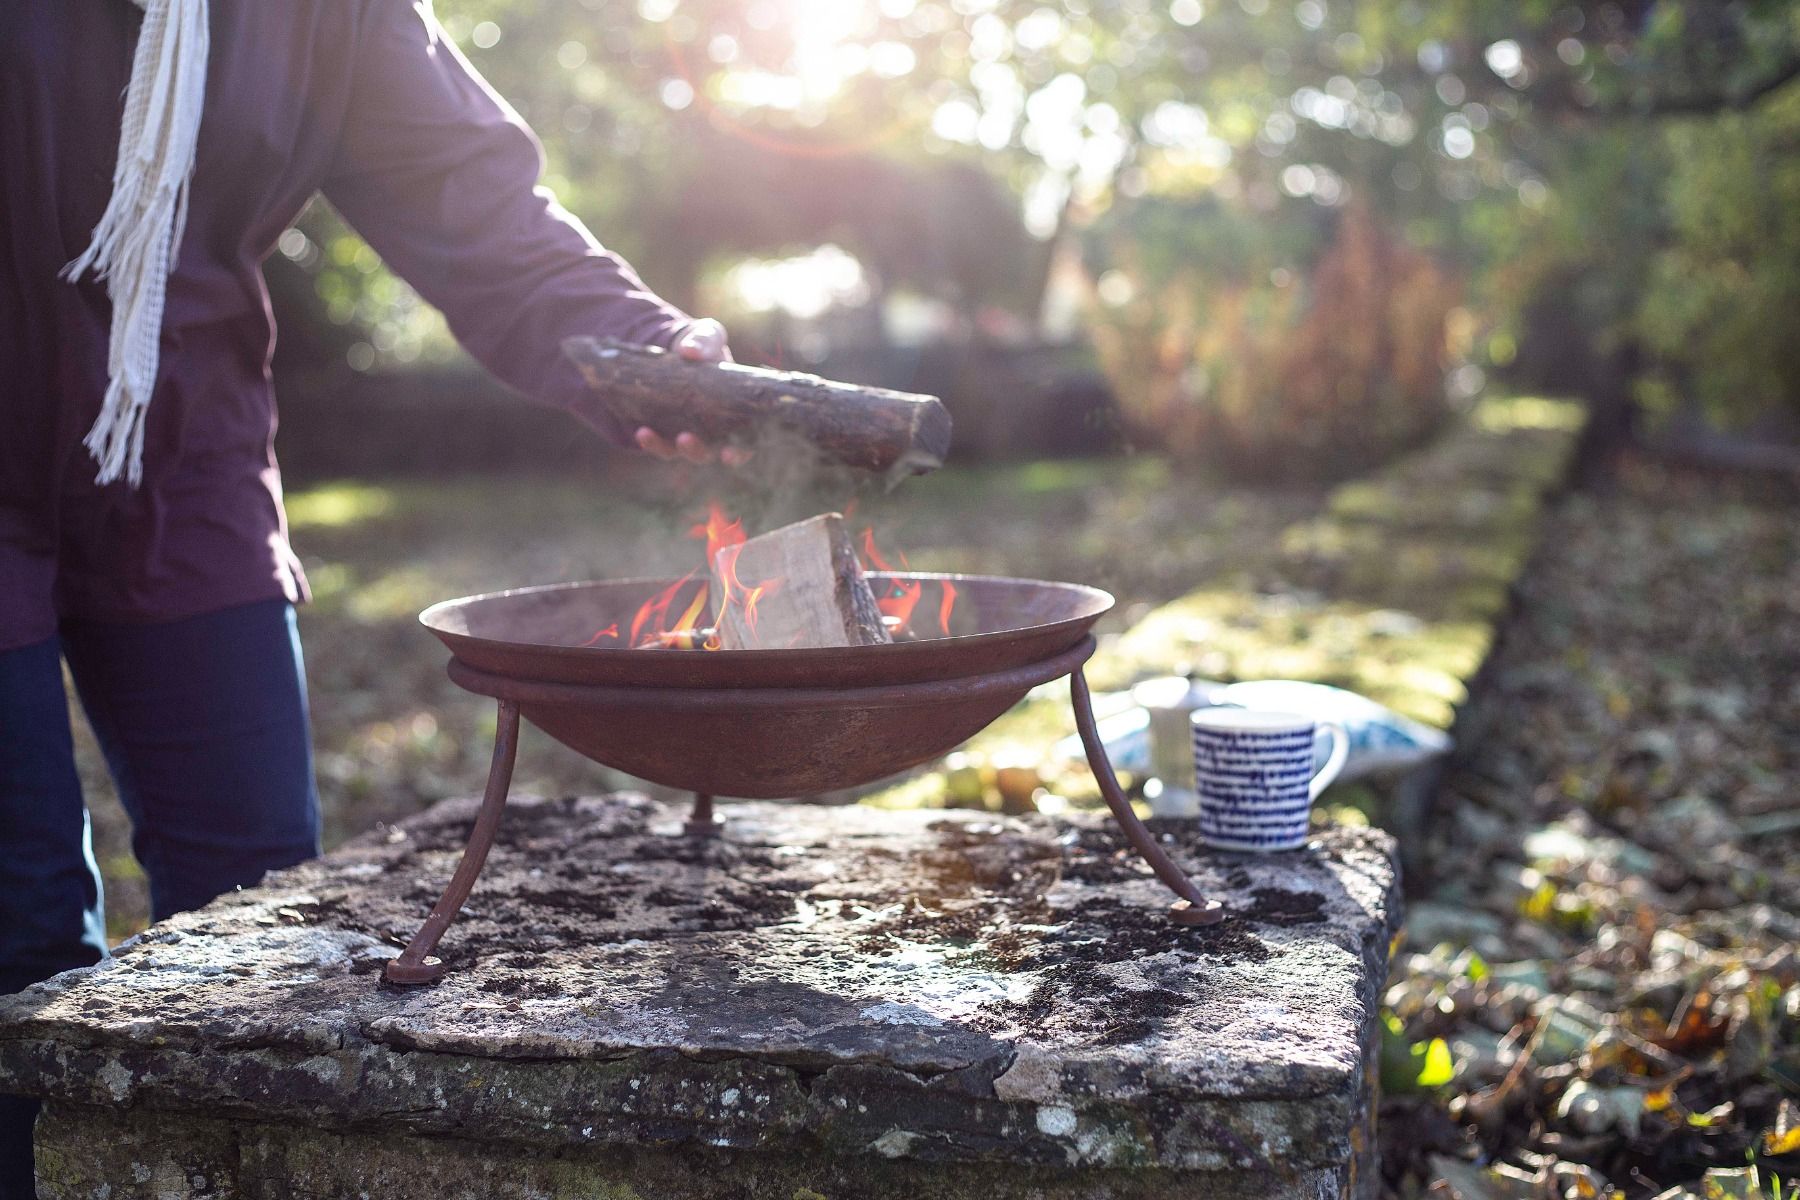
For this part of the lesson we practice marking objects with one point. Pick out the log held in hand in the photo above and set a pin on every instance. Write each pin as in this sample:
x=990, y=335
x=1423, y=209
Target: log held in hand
x=812, y=590
x=874, y=429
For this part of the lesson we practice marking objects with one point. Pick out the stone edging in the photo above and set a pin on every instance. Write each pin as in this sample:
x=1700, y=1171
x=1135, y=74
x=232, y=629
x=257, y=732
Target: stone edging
x=940, y=997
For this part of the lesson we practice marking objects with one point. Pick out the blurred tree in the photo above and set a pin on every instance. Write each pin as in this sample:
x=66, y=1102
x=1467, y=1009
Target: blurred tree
x=1263, y=373
x=1602, y=174
x=1724, y=286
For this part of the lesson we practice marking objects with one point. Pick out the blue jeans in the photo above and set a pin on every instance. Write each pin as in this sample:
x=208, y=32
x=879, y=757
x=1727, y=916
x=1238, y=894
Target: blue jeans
x=203, y=724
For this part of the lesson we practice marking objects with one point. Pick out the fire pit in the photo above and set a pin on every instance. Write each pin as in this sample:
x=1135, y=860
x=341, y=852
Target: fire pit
x=763, y=724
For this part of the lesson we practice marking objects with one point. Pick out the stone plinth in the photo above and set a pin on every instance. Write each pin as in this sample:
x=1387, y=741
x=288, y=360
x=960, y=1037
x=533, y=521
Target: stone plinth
x=829, y=1002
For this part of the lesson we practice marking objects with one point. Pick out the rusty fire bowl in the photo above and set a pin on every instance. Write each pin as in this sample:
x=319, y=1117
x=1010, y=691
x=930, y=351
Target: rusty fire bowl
x=763, y=724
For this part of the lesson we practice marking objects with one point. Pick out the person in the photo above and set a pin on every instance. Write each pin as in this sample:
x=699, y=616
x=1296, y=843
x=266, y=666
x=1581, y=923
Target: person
x=153, y=558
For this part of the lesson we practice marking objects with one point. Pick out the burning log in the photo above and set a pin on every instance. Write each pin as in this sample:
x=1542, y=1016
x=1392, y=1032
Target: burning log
x=800, y=585
x=874, y=429
x=679, y=639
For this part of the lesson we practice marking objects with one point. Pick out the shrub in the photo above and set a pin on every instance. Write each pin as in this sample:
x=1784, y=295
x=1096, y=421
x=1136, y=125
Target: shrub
x=1266, y=373
x=1725, y=283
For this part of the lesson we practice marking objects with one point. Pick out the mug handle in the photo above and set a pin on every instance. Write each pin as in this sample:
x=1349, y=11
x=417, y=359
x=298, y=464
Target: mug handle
x=1340, y=751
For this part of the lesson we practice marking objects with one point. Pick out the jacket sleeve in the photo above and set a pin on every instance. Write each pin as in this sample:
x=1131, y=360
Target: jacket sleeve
x=440, y=175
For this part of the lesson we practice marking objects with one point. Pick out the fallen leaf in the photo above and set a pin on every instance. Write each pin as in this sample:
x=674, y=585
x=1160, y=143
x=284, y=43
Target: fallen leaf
x=1742, y=1183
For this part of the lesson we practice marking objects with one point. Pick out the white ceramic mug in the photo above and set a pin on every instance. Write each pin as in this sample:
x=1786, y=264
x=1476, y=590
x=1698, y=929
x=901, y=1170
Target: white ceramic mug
x=1254, y=773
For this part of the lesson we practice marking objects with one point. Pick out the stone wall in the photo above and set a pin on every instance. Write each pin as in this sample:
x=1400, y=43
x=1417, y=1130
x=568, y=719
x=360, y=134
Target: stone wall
x=826, y=1002
x=175, y=1157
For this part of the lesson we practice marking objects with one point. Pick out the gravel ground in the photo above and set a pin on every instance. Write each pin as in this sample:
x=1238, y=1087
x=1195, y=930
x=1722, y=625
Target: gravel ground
x=1597, y=993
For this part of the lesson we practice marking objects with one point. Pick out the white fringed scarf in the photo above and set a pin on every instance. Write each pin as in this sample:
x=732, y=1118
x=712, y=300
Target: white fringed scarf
x=137, y=240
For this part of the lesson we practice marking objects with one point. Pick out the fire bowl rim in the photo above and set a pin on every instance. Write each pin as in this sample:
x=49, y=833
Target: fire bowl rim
x=522, y=633
x=430, y=616
x=689, y=699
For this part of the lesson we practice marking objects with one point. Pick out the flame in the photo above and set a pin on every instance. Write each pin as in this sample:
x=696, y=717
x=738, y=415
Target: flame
x=766, y=588
x=897, y=597
x=685, y=624
x=872, y=555
x=728, y=578
x=719, y=529
x=684, y=633
x=736, y=593
x=657, y=607
x=724, y=537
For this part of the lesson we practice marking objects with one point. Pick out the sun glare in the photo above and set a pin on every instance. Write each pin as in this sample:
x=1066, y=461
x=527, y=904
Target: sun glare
x=792, y=59
x=822, y=28
x=829, y=43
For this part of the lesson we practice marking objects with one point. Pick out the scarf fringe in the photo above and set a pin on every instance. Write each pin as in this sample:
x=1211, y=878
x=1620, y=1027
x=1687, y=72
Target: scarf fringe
x=138, y=237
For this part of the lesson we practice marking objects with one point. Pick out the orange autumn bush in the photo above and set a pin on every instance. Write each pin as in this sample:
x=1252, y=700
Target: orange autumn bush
x=1317, y=379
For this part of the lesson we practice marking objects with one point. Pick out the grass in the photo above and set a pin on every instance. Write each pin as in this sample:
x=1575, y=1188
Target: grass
x=1392, y=590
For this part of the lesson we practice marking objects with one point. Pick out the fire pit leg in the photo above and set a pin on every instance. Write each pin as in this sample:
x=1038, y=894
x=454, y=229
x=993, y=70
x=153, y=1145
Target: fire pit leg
x=415, y=964
x=702, y=822
x=1193, y=908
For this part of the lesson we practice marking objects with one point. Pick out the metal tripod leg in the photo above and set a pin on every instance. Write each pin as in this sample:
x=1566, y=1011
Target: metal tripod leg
x=1193, y=908
x=415, y=964
x=703, y=822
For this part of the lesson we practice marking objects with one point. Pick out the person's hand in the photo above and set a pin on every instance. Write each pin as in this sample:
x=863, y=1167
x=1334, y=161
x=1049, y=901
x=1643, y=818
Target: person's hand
x=703, y=341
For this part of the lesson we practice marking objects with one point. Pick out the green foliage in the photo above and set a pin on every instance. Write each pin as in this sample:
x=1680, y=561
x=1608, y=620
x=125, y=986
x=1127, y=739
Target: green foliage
x=361, y=312
x=1723, y=291
x=1408, y=1066
x=1598, y=176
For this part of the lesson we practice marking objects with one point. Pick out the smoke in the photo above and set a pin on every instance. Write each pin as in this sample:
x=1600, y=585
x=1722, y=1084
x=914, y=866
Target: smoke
x=786, y=480
x=643, y=514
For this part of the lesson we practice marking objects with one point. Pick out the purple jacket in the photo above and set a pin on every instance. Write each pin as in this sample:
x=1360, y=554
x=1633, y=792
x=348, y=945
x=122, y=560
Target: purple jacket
x=366, y=101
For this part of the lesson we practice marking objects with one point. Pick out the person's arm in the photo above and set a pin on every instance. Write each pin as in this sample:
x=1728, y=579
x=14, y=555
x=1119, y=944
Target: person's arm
x=440, y=175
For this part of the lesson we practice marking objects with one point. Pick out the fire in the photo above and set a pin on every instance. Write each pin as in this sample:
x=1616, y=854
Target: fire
x=744, y=597
x=685, y=624
x=653, y=616
x=719, y=530
x=651, y=627
x=898, y=598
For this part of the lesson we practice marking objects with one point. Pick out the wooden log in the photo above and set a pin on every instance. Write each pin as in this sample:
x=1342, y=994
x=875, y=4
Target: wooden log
x=800, y=585
x=873, y=429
